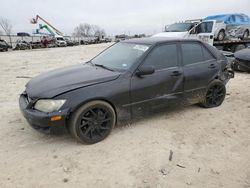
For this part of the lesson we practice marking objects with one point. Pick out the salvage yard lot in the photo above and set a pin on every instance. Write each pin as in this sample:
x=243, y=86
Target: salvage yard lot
x=211, y=147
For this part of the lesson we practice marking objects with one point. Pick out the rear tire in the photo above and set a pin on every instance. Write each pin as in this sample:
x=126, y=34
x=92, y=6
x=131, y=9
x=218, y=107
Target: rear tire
x=245, y=35
x=221, y=35
x=92, y=122
x=215, y=95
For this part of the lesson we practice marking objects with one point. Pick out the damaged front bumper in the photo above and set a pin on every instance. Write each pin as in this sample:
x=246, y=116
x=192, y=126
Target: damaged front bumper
x=41, y=121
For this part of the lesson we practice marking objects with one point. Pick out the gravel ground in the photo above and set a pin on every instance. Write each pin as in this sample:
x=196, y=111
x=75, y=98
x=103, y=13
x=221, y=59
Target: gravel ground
x=211, y=147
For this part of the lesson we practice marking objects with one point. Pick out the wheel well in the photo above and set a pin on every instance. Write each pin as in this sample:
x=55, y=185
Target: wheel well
x=85, y=102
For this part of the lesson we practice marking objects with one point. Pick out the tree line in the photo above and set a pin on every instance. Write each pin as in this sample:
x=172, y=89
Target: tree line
x=87, y=30
x=6, y=25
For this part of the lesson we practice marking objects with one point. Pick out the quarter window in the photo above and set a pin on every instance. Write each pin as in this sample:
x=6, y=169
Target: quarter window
x=191, y=53
x=164, y=56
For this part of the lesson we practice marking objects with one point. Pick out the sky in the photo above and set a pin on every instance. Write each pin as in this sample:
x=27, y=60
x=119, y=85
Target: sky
x=115, y=16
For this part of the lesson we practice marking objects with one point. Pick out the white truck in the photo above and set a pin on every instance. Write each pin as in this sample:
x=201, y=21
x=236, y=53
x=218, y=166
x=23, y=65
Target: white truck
x=207, y=31
x=60, y=42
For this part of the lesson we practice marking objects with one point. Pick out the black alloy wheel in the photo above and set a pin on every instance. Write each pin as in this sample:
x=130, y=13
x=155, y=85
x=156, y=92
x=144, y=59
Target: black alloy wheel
x=93, y=122
x=215, y=95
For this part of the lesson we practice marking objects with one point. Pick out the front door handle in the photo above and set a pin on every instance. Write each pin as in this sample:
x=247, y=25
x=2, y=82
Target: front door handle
x=212, y=66
x=176, y=73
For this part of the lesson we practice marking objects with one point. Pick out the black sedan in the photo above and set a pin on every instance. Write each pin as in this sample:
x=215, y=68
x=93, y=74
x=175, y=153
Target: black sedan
x=124, y=81
x=242, y=60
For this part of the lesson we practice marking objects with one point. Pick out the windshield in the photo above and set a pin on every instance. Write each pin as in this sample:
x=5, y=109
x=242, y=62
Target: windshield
x=59, y=39
x=179, y=27
x=120, y=56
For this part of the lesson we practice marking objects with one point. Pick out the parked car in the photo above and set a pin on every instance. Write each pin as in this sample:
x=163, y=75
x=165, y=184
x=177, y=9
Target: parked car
x=122, y=37
x=242, y=60
x=230, y=25
x=69, y=42
x=22, y=45
x=108, y=39
x=60, y=42
x=127, y=79
x=4, y=46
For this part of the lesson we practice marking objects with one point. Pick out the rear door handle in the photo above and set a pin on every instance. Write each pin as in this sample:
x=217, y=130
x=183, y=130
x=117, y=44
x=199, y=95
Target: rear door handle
x=176, y=73
x=212, y=66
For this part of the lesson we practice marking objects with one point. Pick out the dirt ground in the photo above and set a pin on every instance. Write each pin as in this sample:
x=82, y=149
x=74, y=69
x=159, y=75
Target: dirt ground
x=211, y=147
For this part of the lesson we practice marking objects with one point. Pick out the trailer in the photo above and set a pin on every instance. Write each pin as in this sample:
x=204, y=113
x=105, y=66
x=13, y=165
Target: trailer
x=207, y=31
x=232, y=45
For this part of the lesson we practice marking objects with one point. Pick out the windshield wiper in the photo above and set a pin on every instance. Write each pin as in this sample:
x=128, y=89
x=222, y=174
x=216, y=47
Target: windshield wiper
x=90, y=63
x=103, y=66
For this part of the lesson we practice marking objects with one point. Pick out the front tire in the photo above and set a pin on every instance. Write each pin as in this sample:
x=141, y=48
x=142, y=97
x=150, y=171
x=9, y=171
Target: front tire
x=215, y=95
x=92, y=122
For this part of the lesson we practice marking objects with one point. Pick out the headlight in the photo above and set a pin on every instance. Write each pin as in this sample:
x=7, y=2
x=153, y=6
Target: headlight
x=48, y=105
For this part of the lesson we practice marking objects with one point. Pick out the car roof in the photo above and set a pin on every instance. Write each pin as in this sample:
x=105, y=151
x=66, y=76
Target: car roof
x=223, y=17
x=157, y=40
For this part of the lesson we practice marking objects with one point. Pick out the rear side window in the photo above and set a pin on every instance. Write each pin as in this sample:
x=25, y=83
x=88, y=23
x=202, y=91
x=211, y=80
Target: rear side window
x=164, y=56
x=191, y=53
x=207, y=55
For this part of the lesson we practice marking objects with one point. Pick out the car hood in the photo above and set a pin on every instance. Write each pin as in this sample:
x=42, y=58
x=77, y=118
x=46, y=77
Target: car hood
x=172, y=34
x=53, y=83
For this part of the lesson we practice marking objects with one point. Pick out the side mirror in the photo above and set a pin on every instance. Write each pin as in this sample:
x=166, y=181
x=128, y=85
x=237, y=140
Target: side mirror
x=145, y=70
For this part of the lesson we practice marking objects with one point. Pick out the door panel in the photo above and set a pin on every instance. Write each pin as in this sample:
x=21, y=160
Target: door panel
x=198, y=72
x=198, y=75
x=204, y=31
x=156, y=90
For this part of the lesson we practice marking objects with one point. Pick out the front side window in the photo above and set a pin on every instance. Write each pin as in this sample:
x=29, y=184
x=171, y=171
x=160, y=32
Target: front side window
x=205, y=27
x=121, y=56
x=164, y=56
x=191, y=53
